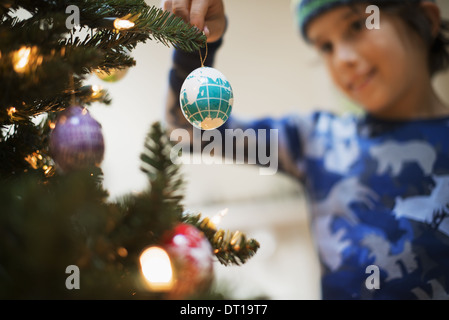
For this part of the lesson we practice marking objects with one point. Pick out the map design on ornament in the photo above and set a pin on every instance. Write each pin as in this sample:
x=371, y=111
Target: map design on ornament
x=206, y=98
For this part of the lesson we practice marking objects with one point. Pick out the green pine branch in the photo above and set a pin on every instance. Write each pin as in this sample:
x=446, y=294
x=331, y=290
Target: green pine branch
x=166, y=182
x=147, y=215
x=170, y=29
x=151, y=23
x=67, y=220
x=230, y=247
x=64, y=53
x=62, y=59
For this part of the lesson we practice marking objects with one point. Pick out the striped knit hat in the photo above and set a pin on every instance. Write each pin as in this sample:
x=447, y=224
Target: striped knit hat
x=307, y=10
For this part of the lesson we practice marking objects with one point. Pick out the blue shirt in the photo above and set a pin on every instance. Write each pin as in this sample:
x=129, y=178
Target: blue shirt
x=378, y=193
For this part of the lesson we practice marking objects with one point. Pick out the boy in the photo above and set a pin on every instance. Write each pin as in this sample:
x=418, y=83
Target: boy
x=377, y=184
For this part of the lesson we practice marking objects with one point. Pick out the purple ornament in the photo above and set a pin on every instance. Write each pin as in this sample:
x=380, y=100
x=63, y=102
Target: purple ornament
x=77, y=140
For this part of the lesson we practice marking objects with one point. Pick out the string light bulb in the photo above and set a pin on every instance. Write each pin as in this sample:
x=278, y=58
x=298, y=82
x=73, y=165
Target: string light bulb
x=123, y=24
x=32, y=160
x=97, y=91
x=26, y=58
x=11, y=111
x=21, y=59
x=157, y=269
x=216, y=219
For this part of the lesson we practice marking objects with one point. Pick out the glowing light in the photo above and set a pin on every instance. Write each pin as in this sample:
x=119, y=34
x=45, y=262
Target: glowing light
x=48, y=170
x=96, y=91
x=122, y=252
x=21, y=59
x=32, y=160
x=11, y=111
x=26, y=58
x=236, y=240
x=215, y=220
x=157, y=269
x=121, y=24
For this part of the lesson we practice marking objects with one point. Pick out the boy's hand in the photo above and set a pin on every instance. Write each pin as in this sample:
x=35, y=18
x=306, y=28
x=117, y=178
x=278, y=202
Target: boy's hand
x=206, y=15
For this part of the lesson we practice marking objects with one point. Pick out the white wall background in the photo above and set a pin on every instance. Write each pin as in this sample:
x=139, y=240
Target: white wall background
x=272, y=72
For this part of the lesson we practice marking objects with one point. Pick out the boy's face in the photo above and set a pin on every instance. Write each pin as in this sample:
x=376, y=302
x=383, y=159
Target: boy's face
x=376, y=68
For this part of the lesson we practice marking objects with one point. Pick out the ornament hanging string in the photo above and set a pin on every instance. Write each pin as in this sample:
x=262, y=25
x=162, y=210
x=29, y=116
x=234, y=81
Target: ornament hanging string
x=205, y=56
x=71, y=78
x=72, y=90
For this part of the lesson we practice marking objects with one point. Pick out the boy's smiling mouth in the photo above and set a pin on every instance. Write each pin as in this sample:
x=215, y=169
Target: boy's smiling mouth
x=359, y=82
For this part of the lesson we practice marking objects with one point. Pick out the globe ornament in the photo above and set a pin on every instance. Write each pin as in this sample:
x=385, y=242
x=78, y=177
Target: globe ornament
x=206, y=98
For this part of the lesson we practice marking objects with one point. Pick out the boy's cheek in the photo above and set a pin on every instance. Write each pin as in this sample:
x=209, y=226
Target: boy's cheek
x=338, y=80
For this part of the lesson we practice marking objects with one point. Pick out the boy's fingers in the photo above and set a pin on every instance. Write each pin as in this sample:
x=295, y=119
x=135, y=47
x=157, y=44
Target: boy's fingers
x=206, y=15
x=181, y=9
x=206, y=31
x=198, y=11
x=167, y=5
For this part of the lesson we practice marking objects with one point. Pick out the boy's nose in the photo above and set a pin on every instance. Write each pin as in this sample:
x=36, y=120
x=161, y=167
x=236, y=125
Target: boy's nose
x=346, y=56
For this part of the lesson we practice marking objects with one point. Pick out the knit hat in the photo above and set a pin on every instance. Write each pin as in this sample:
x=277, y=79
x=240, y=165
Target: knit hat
x=307, y=10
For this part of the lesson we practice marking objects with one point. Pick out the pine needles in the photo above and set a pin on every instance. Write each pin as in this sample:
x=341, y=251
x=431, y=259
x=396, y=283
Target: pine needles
x=230, y=248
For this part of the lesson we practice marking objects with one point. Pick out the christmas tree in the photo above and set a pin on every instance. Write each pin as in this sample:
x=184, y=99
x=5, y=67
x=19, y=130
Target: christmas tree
x=60, y=235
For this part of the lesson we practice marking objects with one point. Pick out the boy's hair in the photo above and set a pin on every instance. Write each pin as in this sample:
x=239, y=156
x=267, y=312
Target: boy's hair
x=408, y=10
x=414, y=17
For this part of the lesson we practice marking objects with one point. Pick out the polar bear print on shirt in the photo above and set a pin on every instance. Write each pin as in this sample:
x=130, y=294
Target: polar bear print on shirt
x=423, y=208
x=338, y=204
x=335, y=142
x=395, y=265
x=394, y=156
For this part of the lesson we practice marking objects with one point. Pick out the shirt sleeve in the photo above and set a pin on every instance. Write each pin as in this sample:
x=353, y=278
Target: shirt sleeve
x=274, y=143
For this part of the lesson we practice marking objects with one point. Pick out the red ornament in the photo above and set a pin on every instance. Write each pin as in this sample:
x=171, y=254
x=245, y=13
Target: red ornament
x=192, y=257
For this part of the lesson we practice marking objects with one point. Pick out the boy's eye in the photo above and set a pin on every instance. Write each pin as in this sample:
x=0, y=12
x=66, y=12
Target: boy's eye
x=326, y=48
x=357, y=25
